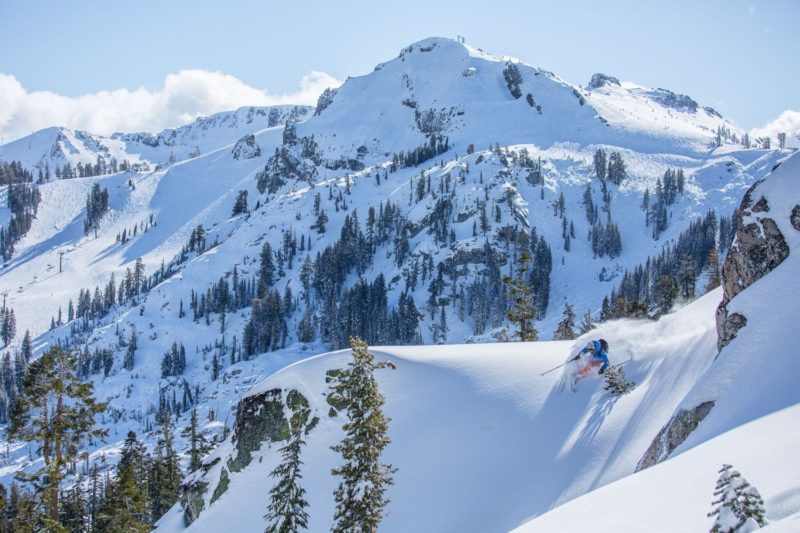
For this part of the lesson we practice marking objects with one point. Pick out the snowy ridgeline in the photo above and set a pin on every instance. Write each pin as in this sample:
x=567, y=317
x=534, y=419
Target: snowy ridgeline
x=399, y=230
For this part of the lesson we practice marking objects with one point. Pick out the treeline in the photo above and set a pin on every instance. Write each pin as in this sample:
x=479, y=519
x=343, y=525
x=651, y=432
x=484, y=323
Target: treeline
x=23, y=201
x=666, y=194
x=93, y=306
x=96, y=207
x=12, y=376
x=14, y=173
x=143, y=488
x=435, y=146
x=652, y=288
x=130, y=233
x=100, y=167
x=8, y=324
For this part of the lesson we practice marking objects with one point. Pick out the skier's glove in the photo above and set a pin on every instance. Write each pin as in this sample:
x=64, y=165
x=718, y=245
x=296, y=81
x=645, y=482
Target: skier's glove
x=602, y=370
x=576, y=357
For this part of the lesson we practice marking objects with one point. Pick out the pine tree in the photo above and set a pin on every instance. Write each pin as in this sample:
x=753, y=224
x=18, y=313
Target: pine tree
x=165, y=473
x=73, y=509
x=586, y=324
x=739, y=504
x=198, y=444
x=360, y=496
x=712, y=270
x=566, y=328
x=125, y=506
x=215, y=367
x=240, y=205
x=127, y=364
x=26, y=349
x=8, y=325
x=519, y=293
x=286, y=512
x=57, y=411
x=616, y=381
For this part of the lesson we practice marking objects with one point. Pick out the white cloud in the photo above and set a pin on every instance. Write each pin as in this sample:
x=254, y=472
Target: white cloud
x=184, y=96
x=787, y=122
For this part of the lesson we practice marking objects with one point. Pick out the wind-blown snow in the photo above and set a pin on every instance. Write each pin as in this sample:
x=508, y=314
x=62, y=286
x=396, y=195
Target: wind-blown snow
x=476, y=427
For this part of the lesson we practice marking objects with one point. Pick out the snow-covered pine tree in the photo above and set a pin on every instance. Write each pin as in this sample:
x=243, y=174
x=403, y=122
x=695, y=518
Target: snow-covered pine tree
x=240, y=205
x=286, y=512
x=360, y=496
x=739, y=505
x=52, y=380
x=586, y=324
x=127, y=363
x=566, y=328
x=616, y=381
x=520, y=295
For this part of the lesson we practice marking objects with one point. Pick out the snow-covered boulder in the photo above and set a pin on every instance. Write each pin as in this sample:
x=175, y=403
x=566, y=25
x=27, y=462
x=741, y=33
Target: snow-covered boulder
x=246, y=148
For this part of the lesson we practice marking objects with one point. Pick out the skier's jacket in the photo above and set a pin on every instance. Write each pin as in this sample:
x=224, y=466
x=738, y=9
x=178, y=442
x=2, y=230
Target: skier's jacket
x=598, y=353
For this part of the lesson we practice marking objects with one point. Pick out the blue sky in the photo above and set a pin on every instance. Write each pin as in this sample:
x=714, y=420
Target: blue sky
x=739, y=57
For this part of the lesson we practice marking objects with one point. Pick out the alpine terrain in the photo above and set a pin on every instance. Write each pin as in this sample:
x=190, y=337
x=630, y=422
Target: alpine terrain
x=442, y=208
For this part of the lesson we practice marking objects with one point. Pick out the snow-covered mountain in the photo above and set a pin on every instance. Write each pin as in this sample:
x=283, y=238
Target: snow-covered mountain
x=421, y=181
x=484, y=442
x=45, y=150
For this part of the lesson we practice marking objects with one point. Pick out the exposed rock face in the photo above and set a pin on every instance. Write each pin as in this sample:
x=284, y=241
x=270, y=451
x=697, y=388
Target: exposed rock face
x=599, y=80
x=325, y=99
x=192, y=500
x=680, y=102
x=260, y=418
x=246, y=148
x=673, y=434
x=222, y=486
x=759, y=247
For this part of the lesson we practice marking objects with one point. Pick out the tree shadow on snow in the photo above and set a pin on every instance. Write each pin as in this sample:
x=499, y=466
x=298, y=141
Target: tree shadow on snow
x=599, y=412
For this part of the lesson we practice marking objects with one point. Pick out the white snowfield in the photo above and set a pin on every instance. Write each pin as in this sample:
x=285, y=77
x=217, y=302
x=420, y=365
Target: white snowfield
x=675, y=496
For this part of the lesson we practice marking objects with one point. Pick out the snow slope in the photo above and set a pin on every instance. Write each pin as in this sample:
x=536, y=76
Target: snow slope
x=677, y=495
x=58, y=146
x=482, y=441
x=476, y=427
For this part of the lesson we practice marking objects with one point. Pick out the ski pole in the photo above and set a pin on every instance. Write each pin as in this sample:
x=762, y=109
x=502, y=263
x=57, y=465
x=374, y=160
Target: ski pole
x=559, y=366
x=622, y=363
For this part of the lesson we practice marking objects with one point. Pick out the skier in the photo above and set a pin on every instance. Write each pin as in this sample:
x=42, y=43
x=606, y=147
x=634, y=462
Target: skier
x=597, y=356
x=599, y=351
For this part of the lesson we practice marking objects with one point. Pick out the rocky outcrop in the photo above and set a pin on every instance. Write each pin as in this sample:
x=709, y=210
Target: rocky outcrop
x=599, y=80
x=759, y=247
x=673, y=434
x=325, y=99
x=192, y=500
x=679, y=102
x=246, y=148
x=260, y=418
